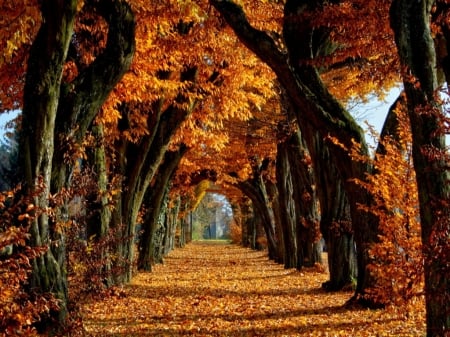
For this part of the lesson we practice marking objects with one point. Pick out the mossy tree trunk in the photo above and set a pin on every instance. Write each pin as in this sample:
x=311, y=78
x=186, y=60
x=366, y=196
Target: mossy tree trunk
x=41, y=100
x=55, y=111
x=410, y=21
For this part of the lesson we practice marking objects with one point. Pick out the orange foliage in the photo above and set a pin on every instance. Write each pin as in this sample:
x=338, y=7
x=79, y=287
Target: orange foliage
x=397, y=257
x=364, y=59
x=171, y=36
x=19, y=23
x=19, y=309
x=235, y=233
x=225, y=290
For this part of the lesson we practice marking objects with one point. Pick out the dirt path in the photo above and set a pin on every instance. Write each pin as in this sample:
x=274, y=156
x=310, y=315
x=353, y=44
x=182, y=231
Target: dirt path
x=225, y=290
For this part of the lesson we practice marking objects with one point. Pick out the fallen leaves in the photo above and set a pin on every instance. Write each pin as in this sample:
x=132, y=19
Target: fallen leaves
x=225, y=290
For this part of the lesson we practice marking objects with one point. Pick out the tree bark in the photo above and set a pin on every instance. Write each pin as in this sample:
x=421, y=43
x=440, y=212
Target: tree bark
x=82, y=98
x=410, y=21
x=315, y=108
x=141, y=162
x=256, y=191
x=154, y=202
x=272, y=192
x=286, y=201
x=174, y=212
x=305, y=201
x=99, y=214
x=41, y=100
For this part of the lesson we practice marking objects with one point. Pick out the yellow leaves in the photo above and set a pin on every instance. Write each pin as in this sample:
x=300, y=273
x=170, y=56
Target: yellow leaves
x=397, y=260
x=224, y=290
x=18, y=25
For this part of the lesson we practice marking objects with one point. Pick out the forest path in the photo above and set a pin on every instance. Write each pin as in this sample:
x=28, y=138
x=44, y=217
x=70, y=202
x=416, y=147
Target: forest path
x=226, y=290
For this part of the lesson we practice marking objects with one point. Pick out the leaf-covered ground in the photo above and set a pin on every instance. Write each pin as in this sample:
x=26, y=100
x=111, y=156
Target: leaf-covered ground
x=225, y=290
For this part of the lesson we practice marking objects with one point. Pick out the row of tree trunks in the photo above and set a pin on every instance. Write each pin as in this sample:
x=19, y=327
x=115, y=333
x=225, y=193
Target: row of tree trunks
x=315, y=108
x=255, y=189
x=154, y=201
x=140, y=162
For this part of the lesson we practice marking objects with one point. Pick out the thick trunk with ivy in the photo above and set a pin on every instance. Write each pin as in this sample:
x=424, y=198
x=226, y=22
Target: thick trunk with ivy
x=410, y=21
x=79, y=102
x=153, y=202
x=41, y=99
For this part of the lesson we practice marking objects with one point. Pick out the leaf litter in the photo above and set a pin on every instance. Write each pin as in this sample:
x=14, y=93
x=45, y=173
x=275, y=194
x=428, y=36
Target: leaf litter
x=209, y=289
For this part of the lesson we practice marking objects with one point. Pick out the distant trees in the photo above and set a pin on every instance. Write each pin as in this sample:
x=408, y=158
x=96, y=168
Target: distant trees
x=9, y=155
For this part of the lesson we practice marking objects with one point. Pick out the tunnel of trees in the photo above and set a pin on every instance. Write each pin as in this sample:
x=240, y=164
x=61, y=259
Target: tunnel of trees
x=137, y=122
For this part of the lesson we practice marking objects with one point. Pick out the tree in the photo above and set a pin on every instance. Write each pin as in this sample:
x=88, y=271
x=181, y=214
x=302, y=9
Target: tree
x=417, y=51
x=398, y=260
x=174, y=94
x=8, y=160
x=41, y=98
x=154, y=203
x=62, y=94
x=298, y=71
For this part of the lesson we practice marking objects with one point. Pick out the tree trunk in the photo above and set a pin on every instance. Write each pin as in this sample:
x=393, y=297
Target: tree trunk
x=315, y=108
x=156, y=243
x=173, y=224
x=272, y=192
x=305, y=201
x=255, y=190
x=41, y=99
x=286, y=201
x=99, y=215
x=251, y=228
x=246, y=212
x=335, y=222
x=154, y=202
x=143, y=159
x=411, y=24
